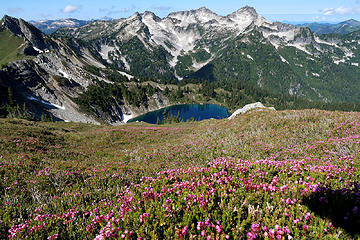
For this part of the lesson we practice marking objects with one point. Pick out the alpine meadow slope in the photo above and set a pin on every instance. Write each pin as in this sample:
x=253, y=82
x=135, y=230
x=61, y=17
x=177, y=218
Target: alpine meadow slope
x=263, y=175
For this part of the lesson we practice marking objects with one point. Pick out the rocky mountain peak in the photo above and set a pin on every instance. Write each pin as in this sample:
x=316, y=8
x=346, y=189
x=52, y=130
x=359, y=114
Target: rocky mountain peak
x=193, y=12
x=205, y=10
x=201, y=15
x=351, y=22
x=25, y=30
x=247, y=10
x=151, y=15
x=136, y=17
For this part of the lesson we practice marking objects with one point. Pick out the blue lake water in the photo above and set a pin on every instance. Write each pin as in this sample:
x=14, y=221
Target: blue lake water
x=187, y=112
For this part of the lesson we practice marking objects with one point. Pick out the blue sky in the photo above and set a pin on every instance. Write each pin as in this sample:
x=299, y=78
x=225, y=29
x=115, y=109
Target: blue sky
x=281, y=10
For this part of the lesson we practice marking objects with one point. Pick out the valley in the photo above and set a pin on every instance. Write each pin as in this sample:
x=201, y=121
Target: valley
x=194, y=56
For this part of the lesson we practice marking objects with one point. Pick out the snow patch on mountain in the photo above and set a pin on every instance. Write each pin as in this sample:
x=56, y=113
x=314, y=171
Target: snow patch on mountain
x=283, y=59
x=126, y=117
x=338, y=61
x=348, y=53
x=46, y=103
x=38, y=50
x=127, y=65
x=65, y=75
x=250, y=57
x=126, y=75
x=199, y=65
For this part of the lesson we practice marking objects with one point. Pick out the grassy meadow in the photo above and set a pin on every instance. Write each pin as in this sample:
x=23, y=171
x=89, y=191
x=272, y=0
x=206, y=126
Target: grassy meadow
x=264, y=175
x=10, y=47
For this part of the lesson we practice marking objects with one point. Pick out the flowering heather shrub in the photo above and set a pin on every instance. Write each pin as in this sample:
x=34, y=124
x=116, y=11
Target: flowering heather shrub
x=264, y=175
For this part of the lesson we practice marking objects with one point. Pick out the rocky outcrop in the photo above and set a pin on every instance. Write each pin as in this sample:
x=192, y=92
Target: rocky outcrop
x=32, y=85
x=22, y=29
x=248, y=107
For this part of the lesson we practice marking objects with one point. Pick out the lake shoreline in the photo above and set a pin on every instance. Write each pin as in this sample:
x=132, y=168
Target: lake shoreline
x=185, y=112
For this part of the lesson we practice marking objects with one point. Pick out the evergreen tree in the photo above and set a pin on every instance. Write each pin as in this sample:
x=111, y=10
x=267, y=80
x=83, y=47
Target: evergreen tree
x=164, y=116
x=178, y=117
x=11, y=99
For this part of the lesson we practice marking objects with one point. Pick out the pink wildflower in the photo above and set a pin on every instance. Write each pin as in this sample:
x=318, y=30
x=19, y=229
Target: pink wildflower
x=55, y=236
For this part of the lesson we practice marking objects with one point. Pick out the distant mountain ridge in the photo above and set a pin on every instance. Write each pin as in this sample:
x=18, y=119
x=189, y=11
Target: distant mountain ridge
x=342, y=28
x=50, y=26
x=242, y=46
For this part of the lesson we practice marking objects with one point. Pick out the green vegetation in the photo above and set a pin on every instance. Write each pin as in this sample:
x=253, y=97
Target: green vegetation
x=64, y=82
x=263, y=175
x=230, y=94
x=258, y=65
x=10, y=47
x=46, y=118
x=169, y=118
x=320, y=72
x=183, y=66
x=9, y=108
x=339, y=28
x=105, y=96
x=144, y=63
x=201, y=55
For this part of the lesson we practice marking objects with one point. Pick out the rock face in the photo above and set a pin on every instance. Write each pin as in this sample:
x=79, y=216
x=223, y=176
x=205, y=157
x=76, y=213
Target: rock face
x=54, y=72
x=21, y=28
x=242, y=46
x=248, y=107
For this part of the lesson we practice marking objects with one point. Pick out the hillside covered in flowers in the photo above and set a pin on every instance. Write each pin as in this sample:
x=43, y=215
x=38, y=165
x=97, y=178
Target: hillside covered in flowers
x=262, y=175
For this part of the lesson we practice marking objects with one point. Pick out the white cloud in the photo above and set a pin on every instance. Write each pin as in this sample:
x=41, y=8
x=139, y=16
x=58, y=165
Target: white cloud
x=341, y=11
x=70, y=9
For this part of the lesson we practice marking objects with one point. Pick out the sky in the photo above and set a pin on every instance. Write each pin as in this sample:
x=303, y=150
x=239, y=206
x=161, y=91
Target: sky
x=274, y=10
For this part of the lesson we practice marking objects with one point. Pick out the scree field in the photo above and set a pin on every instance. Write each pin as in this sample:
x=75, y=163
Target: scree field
x=263, y=175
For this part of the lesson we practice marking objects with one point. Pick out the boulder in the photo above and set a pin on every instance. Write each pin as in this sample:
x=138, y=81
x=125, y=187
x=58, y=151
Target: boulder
x=249, y=107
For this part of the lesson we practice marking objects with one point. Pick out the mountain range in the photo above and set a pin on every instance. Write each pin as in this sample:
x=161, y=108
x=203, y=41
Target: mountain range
x=345, y=27
x=65, y=72
x=50, y=26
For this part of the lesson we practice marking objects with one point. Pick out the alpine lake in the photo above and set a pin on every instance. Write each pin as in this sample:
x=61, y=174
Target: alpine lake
x=184, y=112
